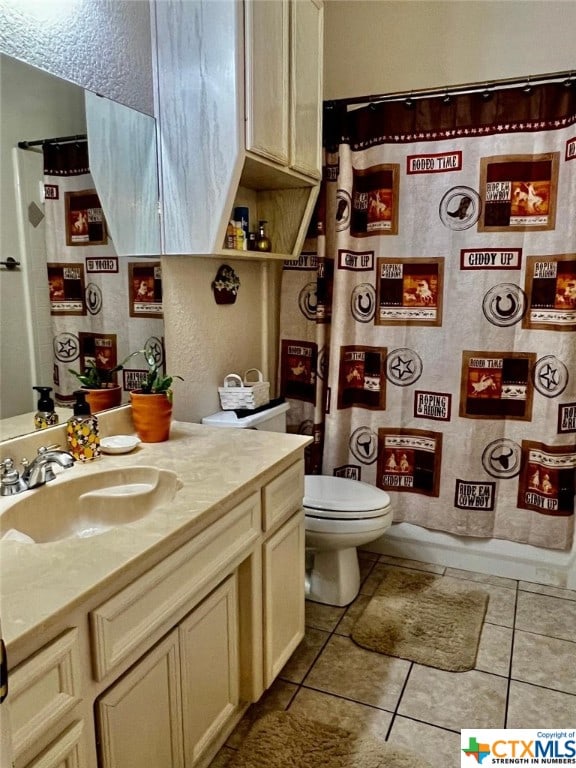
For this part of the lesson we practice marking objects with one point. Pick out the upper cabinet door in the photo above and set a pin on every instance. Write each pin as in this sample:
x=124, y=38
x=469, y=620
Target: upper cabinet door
x=306, y=86
x=267, y=72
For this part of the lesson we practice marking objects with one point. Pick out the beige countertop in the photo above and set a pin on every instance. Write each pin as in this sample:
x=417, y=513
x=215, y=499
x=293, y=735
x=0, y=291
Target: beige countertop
x=217, y=468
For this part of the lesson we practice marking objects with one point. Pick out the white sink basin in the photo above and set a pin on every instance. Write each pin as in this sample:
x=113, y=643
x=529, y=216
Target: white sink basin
x=87, y=505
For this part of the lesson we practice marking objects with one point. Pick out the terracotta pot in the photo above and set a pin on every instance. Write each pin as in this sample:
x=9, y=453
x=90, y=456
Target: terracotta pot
x=103, y=399
x=151, y=415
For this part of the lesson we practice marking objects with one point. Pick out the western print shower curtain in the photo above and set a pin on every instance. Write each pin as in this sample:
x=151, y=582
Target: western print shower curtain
x=428, y=329
x=102, y=307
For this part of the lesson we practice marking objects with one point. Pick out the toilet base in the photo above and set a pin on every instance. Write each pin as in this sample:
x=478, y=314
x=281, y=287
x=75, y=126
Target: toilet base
x=334, y=578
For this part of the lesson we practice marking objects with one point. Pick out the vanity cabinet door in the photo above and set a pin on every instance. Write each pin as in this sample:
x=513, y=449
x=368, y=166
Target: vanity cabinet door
x=140, y=717
x=283, y=586
x=210, y=669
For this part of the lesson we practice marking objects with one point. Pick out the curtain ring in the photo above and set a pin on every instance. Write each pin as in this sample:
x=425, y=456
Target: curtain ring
x=447, y=98
x=527, y=88
x=408, y=102
x=487, y=93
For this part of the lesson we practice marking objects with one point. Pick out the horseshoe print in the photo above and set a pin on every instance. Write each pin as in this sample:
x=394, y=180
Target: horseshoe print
x=504, y=304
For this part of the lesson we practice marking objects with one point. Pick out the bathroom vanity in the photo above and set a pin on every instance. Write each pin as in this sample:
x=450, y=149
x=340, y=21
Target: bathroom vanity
x=145, y=644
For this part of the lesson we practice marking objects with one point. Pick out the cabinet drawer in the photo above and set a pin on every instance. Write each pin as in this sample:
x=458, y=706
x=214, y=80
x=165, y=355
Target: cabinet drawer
x=283, y=496
x=132, y=616
x=66, y=752
x=43, y=689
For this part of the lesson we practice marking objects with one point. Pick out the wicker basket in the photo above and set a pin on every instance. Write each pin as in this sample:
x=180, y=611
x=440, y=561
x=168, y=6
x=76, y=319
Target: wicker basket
x=243, y=393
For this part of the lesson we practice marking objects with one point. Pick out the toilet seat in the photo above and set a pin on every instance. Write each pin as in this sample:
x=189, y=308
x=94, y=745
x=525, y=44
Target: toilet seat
x=338, y=498
x=350, y=525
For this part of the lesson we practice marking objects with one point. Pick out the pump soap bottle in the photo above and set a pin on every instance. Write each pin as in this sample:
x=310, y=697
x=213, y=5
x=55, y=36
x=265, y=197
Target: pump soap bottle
x=262, y=240
x=45, y=416
x=82, y=431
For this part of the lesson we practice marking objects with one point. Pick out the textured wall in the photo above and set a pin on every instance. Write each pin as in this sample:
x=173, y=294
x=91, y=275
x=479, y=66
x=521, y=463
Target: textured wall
x=204, y=340
x=104, y=46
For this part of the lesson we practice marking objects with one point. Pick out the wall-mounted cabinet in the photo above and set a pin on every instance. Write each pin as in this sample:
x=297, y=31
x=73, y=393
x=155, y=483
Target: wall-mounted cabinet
x=239, y=105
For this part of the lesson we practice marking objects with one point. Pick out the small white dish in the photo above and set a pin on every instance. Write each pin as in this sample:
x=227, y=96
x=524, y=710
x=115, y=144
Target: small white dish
x=119, y=443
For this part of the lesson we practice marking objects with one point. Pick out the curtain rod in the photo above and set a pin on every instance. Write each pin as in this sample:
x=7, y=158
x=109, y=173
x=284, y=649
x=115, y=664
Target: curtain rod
x=58, y=140
x=568, y=77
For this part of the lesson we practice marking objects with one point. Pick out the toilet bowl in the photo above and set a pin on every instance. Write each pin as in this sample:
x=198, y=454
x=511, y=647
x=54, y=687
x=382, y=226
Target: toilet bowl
x=340, y=515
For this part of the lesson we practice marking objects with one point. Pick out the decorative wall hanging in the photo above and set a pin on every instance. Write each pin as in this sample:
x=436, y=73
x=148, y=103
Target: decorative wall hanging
x=225, y=285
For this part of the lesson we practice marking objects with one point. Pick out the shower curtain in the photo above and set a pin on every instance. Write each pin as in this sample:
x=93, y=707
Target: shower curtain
x=428, y=328
x=102, y=307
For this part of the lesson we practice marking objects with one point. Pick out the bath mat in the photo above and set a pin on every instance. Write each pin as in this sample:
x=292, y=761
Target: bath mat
x=433, y=620
x=284, y=740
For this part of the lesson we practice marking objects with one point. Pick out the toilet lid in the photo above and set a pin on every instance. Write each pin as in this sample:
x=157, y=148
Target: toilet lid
x=341, y=495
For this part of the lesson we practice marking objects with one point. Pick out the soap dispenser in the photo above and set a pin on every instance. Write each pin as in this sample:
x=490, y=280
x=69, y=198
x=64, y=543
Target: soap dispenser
x=45, y=416
x=262, y=240
x=82, y=432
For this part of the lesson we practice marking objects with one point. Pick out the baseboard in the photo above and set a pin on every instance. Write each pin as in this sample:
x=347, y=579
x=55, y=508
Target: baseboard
x=492, y=556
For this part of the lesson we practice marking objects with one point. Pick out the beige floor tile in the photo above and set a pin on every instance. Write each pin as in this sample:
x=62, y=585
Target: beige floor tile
x=544, y=661
x=501, y=605
x=546, y=615
x=533, y=707
x=544, y=589
x=277, y=697
x=365, y=554
x=321, y=616
x=353, y=613
x=366, y=566
x=495, y=650
x=295, y=670
x=497, y=581
x=345, y=669
x=223, y=758
x=443, y=745
x=414, y=565
x=454, y=700
x=332, y=710
x=368, y=586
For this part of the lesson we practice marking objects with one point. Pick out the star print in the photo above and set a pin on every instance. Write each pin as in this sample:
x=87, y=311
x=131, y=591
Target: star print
x=66, y=348
x=549, y=377
x=403, y=367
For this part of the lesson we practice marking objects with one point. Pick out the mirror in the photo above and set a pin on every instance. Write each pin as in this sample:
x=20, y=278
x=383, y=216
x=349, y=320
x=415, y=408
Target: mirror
x=35, y=105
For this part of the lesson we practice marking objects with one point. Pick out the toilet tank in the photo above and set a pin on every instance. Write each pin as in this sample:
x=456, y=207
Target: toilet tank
x=270, y=418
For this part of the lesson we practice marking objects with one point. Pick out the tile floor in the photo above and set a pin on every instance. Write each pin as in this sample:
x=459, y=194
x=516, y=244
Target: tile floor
x=525, y=674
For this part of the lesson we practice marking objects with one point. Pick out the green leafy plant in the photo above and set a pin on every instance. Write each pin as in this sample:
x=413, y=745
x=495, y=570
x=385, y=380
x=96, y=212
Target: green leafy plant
x=94, y=377
x=155, y=382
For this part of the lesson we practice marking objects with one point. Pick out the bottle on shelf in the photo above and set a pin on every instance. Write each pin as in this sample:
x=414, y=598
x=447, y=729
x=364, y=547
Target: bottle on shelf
x=230, y=234
x=242, y=218
x=262, y=240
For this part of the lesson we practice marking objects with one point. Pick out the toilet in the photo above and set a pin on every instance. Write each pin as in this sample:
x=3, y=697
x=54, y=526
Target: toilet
x=340, y=515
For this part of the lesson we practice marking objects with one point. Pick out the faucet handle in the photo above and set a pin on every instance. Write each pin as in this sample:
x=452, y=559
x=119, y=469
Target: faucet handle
x=9, y=472
x=45, y=448
x=10, y=479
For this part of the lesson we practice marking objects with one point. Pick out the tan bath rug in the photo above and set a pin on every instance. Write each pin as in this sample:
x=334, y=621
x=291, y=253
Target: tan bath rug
x=433, y=620
x=284, y=740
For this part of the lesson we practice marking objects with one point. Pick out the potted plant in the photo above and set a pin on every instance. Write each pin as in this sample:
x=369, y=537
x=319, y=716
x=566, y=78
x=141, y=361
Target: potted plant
x=152, y=403
x=103, y=392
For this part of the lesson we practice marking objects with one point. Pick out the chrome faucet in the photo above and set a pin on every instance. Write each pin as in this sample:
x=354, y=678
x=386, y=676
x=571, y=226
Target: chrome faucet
x=40, y=471
x=36, y=472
